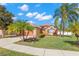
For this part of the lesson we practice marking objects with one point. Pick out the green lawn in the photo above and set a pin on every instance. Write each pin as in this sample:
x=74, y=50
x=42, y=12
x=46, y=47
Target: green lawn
x=6, y=52
x=54, y=42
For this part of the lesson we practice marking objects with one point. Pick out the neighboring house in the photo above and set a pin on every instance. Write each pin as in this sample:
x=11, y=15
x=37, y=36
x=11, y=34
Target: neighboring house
x=45, y=29
x=49, y=29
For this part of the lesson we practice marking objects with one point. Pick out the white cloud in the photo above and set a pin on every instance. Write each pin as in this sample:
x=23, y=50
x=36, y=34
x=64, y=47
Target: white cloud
x=47, y=17
x=14, y=18
x=43, y=13
x=24, y=7
x=30, y=21
x=40, y=15
x=31, y=14
x=35, y=13
x=3, y=3
x=20, y=14
x=43, y=16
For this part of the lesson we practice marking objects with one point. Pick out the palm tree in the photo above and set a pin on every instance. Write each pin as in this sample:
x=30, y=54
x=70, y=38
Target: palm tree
x=67, y=12
x=56, y=21
x=19, y=27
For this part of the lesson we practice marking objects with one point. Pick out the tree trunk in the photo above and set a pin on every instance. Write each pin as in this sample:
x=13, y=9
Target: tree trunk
x=27, y=34
x=3, y=32
x=33, y=36
x=60, y=33
x=23, y=34
x=63, y=27
x=20, y=33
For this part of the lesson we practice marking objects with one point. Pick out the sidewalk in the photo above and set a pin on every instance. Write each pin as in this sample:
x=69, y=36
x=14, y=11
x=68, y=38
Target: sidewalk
x=8, y=44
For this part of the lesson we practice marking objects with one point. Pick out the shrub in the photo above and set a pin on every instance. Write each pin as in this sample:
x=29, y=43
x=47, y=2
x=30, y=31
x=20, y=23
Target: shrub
x=41, y=35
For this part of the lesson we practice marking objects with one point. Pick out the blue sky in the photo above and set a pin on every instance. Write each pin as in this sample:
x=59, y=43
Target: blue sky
x=37, y=13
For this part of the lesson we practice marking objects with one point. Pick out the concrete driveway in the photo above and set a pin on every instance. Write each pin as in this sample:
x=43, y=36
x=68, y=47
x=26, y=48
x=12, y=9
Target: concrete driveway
x=8, y=43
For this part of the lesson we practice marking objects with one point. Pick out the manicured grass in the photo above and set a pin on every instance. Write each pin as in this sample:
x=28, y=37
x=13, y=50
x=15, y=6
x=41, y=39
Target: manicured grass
x=54, y=42
x=6, y=52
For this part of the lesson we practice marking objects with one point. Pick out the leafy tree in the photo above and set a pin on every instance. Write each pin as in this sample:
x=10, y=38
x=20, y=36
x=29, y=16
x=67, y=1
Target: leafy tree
x=5, y=17
x=17, y=28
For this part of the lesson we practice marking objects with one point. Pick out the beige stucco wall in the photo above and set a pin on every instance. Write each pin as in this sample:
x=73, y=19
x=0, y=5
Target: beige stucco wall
x=31, y=33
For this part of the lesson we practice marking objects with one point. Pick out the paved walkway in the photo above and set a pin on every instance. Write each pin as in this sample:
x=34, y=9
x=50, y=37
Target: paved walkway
x=8, y=43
